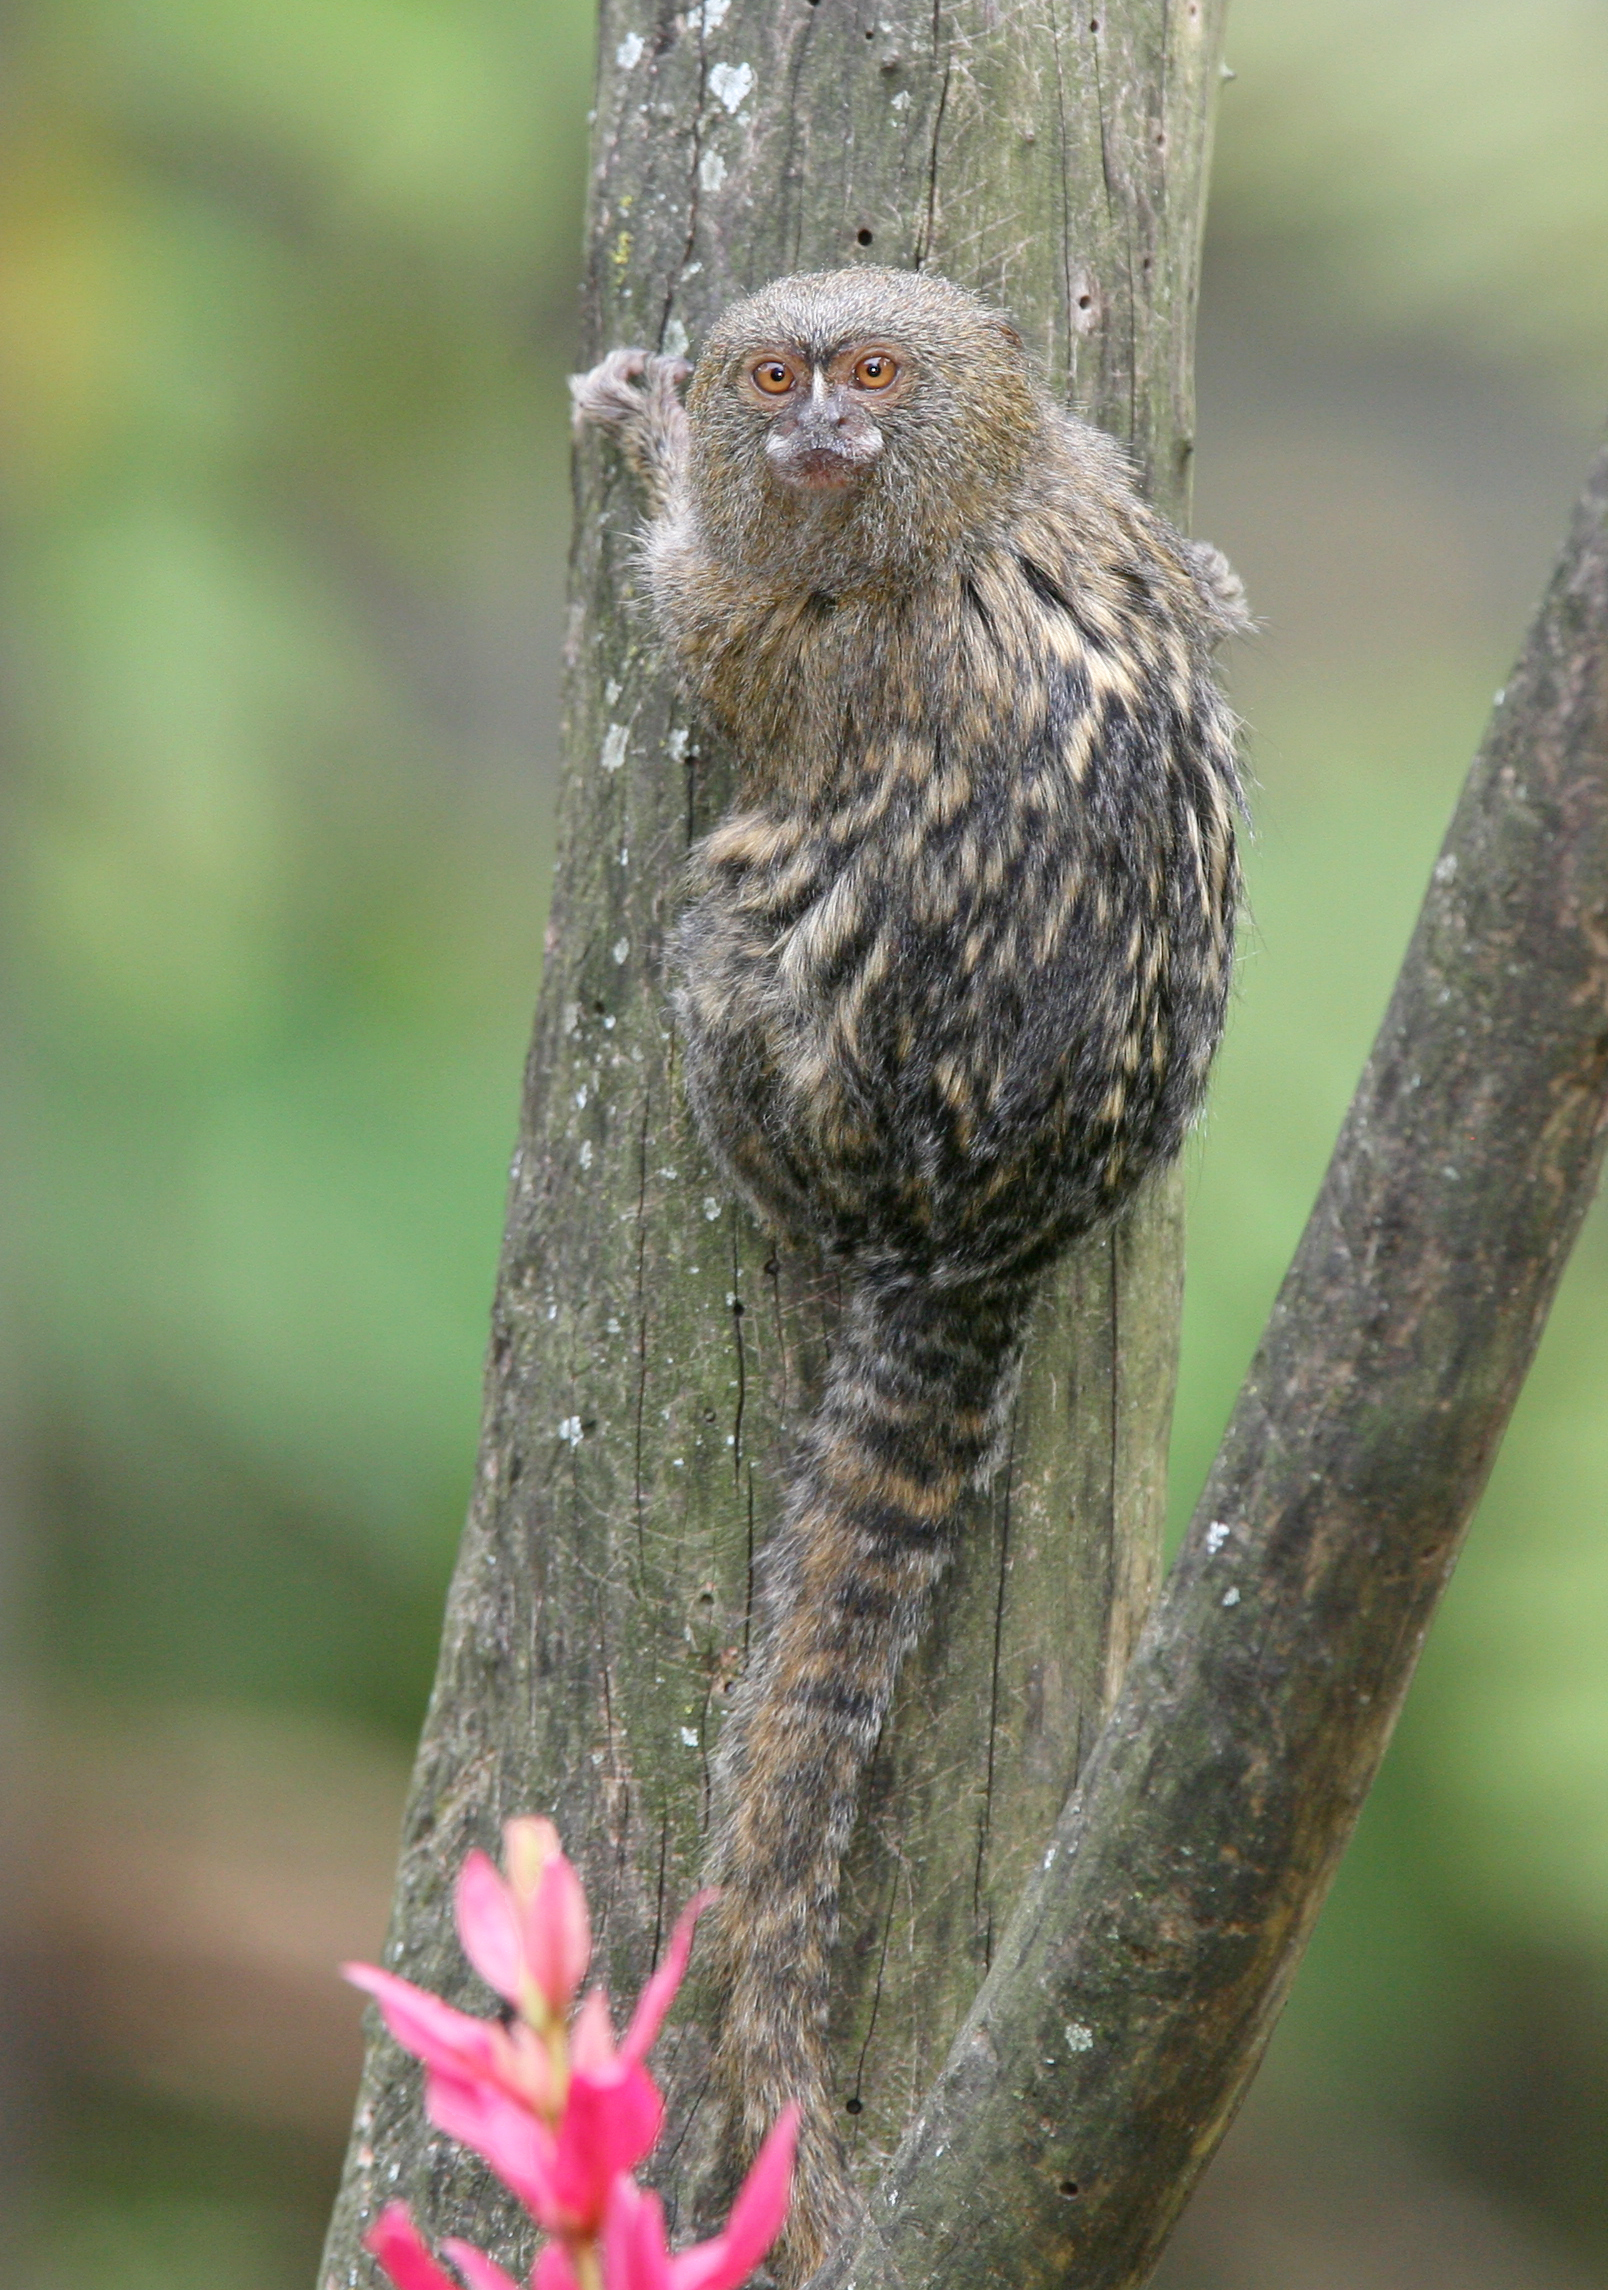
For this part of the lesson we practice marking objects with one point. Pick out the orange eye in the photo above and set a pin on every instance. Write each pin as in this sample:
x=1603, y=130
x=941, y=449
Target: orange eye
x=875, y=370
x=773, y=377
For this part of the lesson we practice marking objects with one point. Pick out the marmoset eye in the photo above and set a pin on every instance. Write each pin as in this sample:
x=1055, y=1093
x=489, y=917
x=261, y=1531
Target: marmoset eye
x=773, y=377
x=875, y=370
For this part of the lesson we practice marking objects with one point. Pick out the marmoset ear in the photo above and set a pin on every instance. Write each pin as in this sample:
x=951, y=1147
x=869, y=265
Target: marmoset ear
x=1009, y=332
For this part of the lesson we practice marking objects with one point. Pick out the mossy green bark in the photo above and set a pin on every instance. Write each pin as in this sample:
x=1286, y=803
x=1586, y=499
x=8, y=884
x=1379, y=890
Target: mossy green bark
x=653, y=1351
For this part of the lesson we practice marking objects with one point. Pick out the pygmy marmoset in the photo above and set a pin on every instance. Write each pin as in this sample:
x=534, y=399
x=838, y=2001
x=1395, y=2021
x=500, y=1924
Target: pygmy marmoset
x=951, y=974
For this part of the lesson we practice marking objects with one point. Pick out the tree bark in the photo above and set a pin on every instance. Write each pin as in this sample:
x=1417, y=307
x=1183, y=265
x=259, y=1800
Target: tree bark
x=651, y=1351
x=1130, y=1999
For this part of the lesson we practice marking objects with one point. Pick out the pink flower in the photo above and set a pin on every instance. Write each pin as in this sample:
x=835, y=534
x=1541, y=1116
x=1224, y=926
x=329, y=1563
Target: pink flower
x=530, y=1937
x=592, y=2044
x=757, y=2217
x=659, y=1994
x=561, y=2111
x=516, y=2059
x=395, y=2241
x=636, y=2255
x=475, y=2267
x=557, y=2116
x=562, y=2176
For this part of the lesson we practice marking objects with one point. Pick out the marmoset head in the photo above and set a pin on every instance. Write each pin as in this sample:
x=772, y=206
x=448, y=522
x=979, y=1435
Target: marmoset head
x=873, y=417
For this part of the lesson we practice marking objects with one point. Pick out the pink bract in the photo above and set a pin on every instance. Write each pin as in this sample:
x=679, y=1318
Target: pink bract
x=529, y=1936
x=561, y=2174
x=657, y=1997
x=476, y=2268
x=636, y=2255
x=454, y=2043
x=558, y=1934
x=487, y=1918
x=757, y=2217
x=396, y=2242
x=562, y=2114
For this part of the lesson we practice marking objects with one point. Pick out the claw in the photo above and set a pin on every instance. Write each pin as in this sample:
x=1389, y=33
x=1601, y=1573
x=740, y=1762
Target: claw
x=622, y=386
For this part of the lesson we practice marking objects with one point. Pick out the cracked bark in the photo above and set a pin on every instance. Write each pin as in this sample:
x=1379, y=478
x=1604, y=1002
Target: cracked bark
x=650, y=1350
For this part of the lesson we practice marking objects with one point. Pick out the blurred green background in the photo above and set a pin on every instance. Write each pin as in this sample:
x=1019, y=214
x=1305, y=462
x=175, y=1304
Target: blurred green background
x=286, y=298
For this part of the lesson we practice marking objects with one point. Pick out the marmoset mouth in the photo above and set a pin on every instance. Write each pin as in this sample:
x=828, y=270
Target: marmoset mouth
x=816, y=464
x=820, y=471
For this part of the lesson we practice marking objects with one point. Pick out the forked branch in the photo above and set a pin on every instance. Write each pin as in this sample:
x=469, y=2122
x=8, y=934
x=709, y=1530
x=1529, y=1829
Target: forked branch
x=1142, y=1973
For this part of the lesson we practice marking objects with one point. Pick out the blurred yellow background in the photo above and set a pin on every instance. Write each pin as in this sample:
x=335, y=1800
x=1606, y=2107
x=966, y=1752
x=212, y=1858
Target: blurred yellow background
x=286, y=300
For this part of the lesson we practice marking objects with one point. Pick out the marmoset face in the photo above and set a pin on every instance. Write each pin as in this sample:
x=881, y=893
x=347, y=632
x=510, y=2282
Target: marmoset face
x=822, y=411
x=857, y=424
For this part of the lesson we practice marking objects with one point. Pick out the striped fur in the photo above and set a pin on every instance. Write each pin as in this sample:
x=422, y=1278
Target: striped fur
x=909, y=1418
x=950, y=978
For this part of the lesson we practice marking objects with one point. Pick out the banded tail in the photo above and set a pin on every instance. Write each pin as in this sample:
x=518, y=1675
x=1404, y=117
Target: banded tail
x=912, y=1414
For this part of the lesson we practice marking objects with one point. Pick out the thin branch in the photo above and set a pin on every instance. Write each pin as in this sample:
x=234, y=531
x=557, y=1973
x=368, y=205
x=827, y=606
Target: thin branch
x=1139, y=1980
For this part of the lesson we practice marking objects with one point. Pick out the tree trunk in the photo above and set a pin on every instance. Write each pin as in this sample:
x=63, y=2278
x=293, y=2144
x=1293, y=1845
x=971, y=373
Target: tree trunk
x=652, y=1352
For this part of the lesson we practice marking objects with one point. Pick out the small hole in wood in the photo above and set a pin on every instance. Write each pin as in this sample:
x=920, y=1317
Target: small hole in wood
x=1069, y=2187
x=1085, y=301
x=854, y=2106
x=863, y=238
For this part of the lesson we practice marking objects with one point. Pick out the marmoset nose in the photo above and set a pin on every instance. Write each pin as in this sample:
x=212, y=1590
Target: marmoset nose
x=828, y=407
